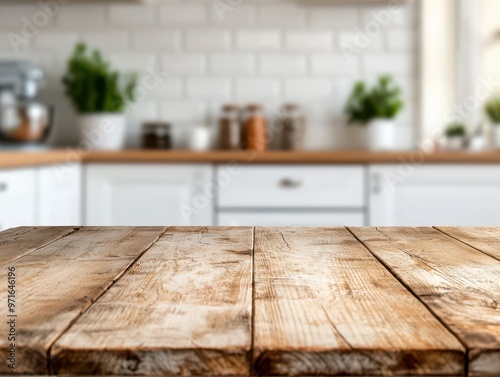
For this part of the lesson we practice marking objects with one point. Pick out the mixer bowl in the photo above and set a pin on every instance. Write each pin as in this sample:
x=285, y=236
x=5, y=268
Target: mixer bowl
x=26, y=123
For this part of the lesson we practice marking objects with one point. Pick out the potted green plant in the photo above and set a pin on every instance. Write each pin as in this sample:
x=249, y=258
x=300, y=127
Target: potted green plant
x=455, y=136
x=100, y=95
x=492, y=108
x=376, y=108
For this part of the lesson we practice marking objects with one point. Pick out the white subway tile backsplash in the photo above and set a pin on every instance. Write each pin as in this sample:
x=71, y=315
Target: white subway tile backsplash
x=56, y=40
x=309, y=40
x=124, y=14
x=183, y=14
x=156, y=40
x=257, y=89
x=208, y=88
x=183, y=111
x=389, y=63
x=241, y=15
x=107, y=40
x=283, y=64
x=359, y=42
x=131, y=62
x=15, y=18
x=334, y=64
x=159, y=87
x=334, y=17
x=308, y=88
x=282, y=16
x=184, y=64
x=86, y=16
x=232, y=64
x=208, y=39
x=255, y=39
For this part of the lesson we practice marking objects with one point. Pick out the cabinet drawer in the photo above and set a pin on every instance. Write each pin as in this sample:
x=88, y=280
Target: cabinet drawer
x=292, y=187
x=302, y=218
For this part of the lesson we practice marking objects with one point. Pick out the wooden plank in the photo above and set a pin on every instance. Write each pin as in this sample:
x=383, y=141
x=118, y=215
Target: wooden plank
x=459, y=284
x=10, y=160
x=183, y=309
x=287, y=157
x=17, y=242
x=485, y=239
x=56, y=283
x=325, y=306
x=21, y=159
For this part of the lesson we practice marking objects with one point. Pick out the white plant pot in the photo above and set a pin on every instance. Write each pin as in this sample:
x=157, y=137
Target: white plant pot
x=496, y=136
x=382, y=135
x=455, y=143
x=104, y=131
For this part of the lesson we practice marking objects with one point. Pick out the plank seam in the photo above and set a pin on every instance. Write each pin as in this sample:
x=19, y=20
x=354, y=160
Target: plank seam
x=92, y=301
x=74, y=230
x=408, y=288
x=465, y=243
x=252, y=329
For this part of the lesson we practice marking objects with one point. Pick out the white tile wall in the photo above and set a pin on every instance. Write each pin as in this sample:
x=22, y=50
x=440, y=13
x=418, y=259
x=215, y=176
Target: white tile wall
x=262, y=50
x=258, y=39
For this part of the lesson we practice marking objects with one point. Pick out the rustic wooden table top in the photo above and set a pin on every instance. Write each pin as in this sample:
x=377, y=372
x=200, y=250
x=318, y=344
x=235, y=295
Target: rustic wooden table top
x=251, y=301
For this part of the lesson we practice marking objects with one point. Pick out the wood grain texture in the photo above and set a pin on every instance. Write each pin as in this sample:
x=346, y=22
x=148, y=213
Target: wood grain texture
x=183, y=309
x=17, y=242
x=285, y=157
x=323, y=305
x=23, y=159
x=459, y=284
x=9, y=160
x=485, y=239
x=61, y=280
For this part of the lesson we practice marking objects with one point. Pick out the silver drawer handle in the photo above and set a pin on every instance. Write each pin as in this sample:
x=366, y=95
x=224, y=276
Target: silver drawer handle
x=3, y=187
x=290, y=183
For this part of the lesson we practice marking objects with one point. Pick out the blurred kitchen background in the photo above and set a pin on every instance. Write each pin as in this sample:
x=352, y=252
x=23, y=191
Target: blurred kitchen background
x=384, y=78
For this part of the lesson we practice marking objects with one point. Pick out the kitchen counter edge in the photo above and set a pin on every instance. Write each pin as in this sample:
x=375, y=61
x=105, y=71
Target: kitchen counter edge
x=12, y=159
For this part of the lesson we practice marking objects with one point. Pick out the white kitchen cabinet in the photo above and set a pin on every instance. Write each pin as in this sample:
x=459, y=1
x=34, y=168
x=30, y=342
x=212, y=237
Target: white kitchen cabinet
x=17, y=198
x=59, y=195
x=287, y=187
x=456, y=195
x=292, y=218
x=148, y=195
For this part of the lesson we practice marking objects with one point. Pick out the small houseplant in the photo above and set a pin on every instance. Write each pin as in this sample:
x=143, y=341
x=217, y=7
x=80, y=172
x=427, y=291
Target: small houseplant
x=100, y=95
x=492, y=108
x=455, y=136
x=376, y=108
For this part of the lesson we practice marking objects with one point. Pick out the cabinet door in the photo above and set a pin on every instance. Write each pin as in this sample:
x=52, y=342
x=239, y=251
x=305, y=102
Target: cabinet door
x=17, y=198
x=456, y=195
x=290, y=218
x=59, y=195
x=149, y=195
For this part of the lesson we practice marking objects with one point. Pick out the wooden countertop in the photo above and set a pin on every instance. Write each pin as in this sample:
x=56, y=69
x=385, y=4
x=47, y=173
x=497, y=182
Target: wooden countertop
x=219, y=301
x=22, y=159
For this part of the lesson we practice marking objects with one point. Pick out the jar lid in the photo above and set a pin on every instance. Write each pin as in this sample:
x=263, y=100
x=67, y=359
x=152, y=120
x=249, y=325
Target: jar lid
x=230, y=107
x=254, y=107
x=291, y=106
x=153, y=126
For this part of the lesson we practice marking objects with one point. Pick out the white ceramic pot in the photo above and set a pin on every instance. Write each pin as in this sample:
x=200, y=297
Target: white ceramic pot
x=455, y=143
x=104, y=131
x=199, y=138
x=495, y=131
x=382, y=135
